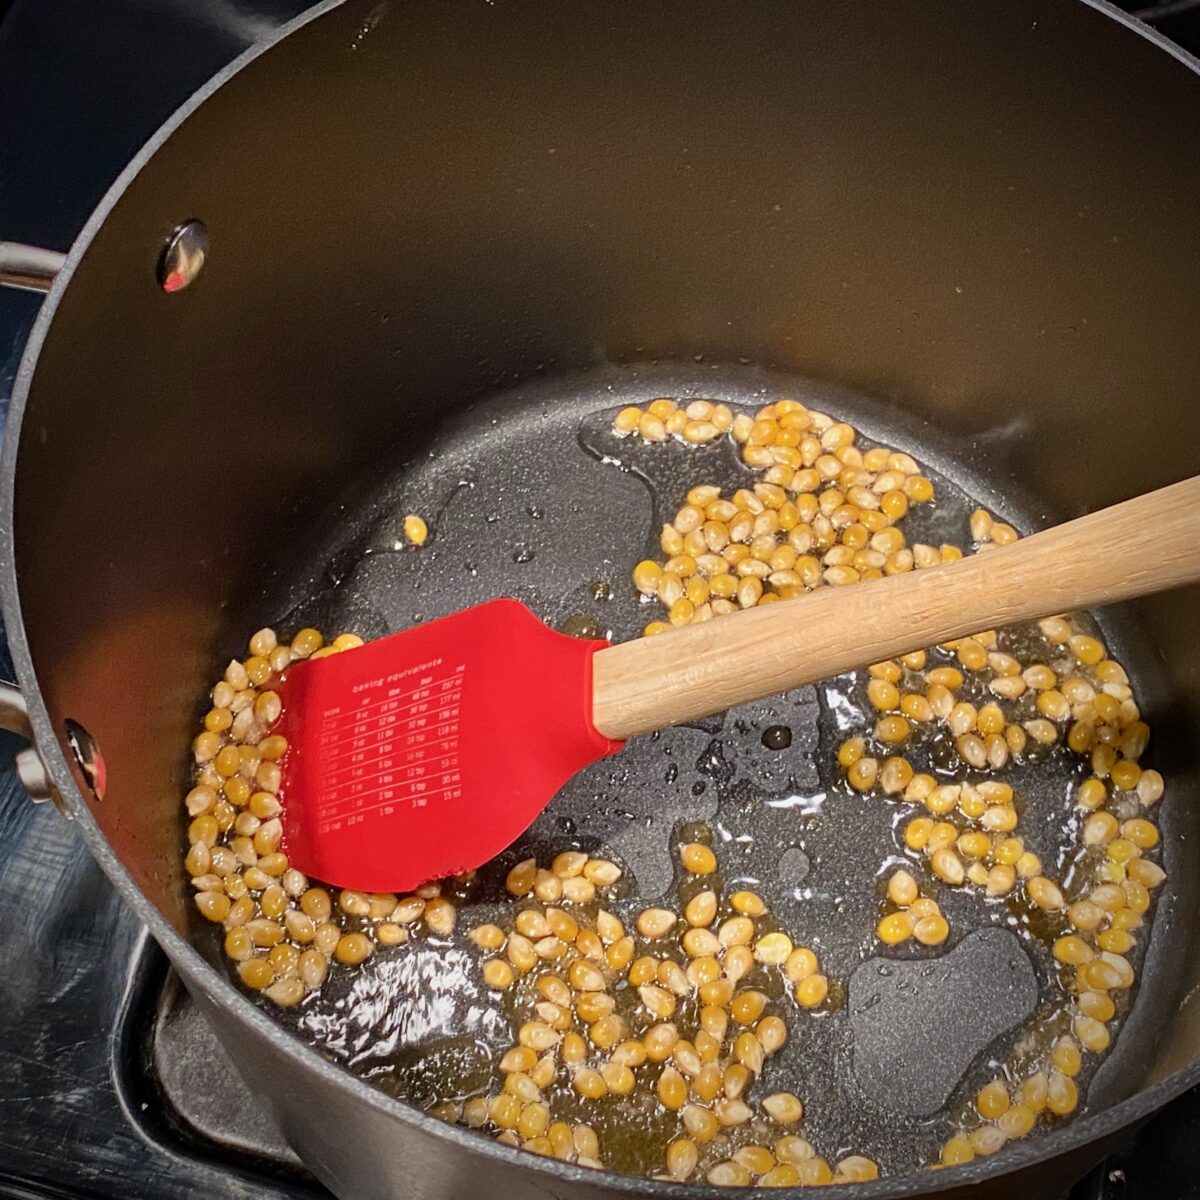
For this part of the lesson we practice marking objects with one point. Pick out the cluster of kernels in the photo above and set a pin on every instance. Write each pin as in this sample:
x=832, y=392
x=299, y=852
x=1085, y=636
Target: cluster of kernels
x=571, y=970
x=1031, y=701
x=735, y=1038
x=572, y=878
x=824, y=513
x=515, y=1120
x=973, y=843
x=988, y=533
x=696, y=423
x=912, y=916
x=1096, y=929
x=912, y=701
x=281, y=931
x=695, y=1038
x=991, y=856
x=790, y=1162
x=968, y=836
x=1004, y=1110
x=1074, y=693
x=1095, y=706
x=720, y=959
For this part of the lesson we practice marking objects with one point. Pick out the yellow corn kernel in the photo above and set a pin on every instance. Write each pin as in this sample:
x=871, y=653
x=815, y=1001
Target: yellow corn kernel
x=895, y=928
x=857, y=1169
x=749, y=903
x=1091, y=1034
x=1086, y=650
x=892, y=729
x=916, y=833
x=801, y=963
x=1096, y=1006
x=1018, y=1121
x=957, y=1151
x=747, y=1007
x=1125, y=774
x=902, y=888
x=672, y=1089
x=811, y=992
x=863, y=774
x=974, y=844
x=1091, y=794
x=1044, y=893
x=774, y=948
x=931, y=930
x=1149, y=787
x=647, y=576
x=883, y=694
x=1066, y=1056
x=1061, y=1095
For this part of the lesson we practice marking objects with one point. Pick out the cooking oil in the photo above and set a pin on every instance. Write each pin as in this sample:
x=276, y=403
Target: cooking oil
x=550, y=508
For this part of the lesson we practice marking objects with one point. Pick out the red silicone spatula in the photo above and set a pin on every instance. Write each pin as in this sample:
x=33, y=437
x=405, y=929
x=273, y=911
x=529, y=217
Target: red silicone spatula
x=426, y=753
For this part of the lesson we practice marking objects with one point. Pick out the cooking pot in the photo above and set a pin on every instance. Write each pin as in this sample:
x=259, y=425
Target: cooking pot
x=987, y=216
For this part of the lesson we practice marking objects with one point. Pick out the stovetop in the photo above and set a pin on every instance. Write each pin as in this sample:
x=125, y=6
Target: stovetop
x=111, y=1085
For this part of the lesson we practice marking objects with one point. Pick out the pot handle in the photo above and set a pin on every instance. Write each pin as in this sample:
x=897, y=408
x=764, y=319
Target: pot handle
x=31, y=269
x=28, y=267
x=14, y=716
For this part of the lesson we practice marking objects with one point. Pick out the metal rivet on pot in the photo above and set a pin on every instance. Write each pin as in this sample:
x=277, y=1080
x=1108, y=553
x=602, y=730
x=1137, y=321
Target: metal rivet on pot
x=88, y=756
x=183, y=256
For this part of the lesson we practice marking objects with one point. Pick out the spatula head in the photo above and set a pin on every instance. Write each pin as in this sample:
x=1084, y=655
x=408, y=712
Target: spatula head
x=426, y=753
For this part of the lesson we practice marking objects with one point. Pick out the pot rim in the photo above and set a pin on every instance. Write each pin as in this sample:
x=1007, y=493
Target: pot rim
x=199, y=973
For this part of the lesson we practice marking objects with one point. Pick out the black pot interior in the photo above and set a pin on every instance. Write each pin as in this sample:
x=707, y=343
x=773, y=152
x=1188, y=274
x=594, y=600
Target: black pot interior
x=986, y=217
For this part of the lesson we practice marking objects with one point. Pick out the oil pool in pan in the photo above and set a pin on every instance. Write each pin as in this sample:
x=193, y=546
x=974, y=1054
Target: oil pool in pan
x=890, y=921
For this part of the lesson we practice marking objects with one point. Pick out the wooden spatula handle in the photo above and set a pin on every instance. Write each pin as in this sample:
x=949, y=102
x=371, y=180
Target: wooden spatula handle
x=1148, y=544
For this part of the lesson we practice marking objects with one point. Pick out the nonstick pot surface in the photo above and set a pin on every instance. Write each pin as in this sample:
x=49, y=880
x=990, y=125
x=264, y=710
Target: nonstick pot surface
x=529, y=494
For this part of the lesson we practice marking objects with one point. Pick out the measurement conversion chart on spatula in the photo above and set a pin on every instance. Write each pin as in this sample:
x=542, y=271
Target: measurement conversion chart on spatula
x=394, y=747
